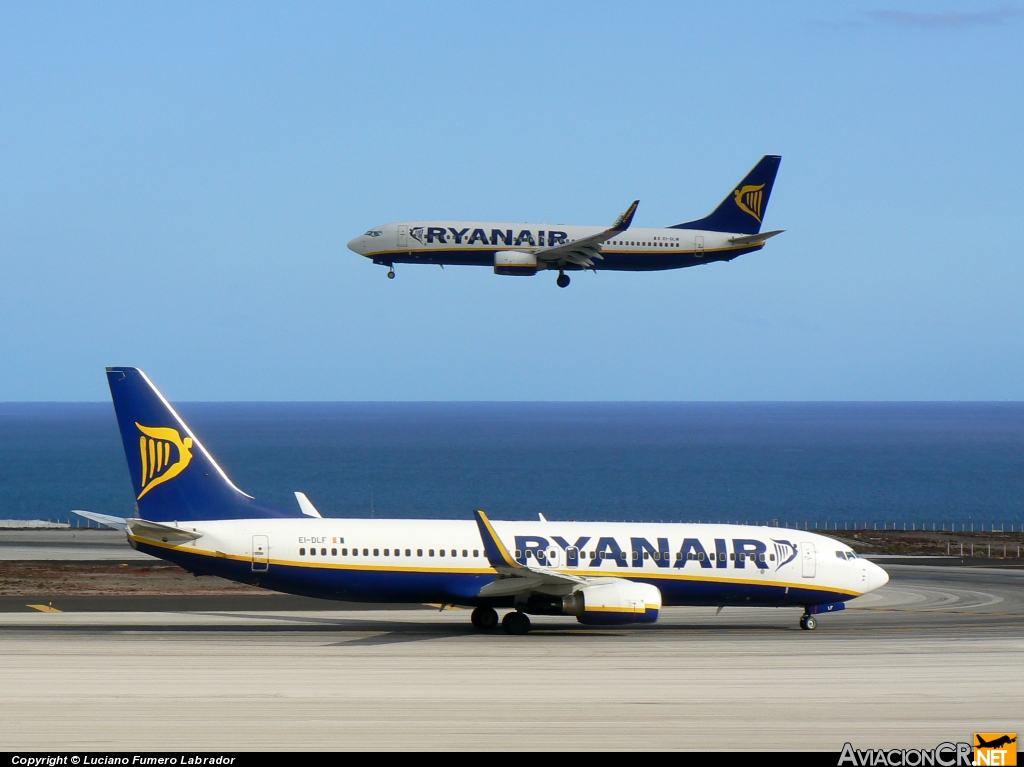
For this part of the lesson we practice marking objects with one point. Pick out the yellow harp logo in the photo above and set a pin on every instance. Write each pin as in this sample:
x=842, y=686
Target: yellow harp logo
x=158, y=465
x=748, y=198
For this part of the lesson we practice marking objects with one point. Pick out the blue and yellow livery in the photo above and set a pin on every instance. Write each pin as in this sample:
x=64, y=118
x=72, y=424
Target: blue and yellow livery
x=733, y=229
x=190, y=513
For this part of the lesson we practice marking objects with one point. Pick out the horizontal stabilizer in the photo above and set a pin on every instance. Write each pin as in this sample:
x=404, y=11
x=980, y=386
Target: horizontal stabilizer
x=306, y=506
x=154, y=530
x=754, y=239
x=118, y=523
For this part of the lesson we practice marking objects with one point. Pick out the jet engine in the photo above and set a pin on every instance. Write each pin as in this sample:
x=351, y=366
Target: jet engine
x=516, y=262
x=614, y=601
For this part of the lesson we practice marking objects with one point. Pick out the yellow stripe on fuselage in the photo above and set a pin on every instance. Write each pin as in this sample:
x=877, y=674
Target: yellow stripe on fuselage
x=491, y=571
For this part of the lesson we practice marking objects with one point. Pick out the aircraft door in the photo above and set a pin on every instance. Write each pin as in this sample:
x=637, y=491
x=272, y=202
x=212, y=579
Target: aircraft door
x=553, y=557
x=260, y=553
x=808, y=560
x=403, y=236
x=698, y=246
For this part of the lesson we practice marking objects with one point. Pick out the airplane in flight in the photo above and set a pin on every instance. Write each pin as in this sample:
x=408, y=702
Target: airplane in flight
x=602, y=573
x=733, y=229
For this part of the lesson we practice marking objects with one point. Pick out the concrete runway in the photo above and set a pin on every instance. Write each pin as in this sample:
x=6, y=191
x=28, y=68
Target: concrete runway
x=936, y=655
x=68, y=546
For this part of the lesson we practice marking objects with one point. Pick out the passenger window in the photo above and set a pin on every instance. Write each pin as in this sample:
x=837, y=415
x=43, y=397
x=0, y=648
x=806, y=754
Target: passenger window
x=441, y=552
x=355, y=552
x=636, y=555
x=366, y=552
x=344, y=552
x=529, y=553
x=376, y=552
x=431, y=552
x=731, y=556
x=408, y=552
x=700, y=556
x=419, y=552
x=519, y=554
x=604, y=555
x=647, y=555
x=455, y=553
x=465, y=553
x=771, y=557
x=476, y=552
x=323, y=552
x=312, y=552
x=334, y=552
x=386, y=552
x=302, y=552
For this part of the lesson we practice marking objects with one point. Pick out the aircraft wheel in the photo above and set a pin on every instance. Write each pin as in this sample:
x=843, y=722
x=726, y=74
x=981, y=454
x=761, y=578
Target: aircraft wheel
x=391, y=274
x=563, y=280
x=484, y=618
x=516, y=622
x=808, y=623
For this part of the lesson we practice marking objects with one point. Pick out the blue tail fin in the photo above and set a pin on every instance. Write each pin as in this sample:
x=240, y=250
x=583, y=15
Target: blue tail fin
x=742, y=211
x=174, y=477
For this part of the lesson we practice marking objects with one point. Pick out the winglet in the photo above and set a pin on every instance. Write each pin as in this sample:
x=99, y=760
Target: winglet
x=497, y=554
x=622, y=222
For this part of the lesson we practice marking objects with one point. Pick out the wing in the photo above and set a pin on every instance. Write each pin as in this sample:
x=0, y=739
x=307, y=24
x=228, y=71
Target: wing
x=515, y=578
x=583, y=252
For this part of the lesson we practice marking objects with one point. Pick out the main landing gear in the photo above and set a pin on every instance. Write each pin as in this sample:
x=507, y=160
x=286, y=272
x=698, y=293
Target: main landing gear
x=484, y=618
x=808, y=622
x=516, y=622
x=563, y=279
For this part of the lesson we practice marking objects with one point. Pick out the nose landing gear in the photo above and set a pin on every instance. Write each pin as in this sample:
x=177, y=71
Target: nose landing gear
x=391, y=273
x=563, y=279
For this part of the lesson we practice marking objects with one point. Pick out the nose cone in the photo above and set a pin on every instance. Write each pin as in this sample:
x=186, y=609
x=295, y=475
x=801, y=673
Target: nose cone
x=358, y=245
x=877, y=577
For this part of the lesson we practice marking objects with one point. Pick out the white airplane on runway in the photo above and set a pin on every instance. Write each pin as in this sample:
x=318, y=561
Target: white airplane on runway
x=191, y=514
x=734, y=228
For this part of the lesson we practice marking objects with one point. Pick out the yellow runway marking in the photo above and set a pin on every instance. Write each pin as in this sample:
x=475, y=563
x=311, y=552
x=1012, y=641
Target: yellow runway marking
x=45, y=608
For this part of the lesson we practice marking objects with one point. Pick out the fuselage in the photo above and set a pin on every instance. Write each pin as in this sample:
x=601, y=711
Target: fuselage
x=473, y=243
x=444, y=561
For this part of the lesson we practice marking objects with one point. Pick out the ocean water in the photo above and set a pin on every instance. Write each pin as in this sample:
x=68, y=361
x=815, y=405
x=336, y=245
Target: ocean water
x=748, y=462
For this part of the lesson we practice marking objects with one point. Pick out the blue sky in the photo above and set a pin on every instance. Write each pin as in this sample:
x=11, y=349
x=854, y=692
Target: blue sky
x=179, y=182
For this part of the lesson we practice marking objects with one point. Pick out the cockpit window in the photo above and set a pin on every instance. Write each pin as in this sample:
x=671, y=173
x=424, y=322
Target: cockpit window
x=841, y=554
x=850, y=555
x=373, y=233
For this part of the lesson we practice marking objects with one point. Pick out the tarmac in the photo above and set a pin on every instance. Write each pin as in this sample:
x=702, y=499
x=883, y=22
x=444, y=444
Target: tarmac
x=935, y=655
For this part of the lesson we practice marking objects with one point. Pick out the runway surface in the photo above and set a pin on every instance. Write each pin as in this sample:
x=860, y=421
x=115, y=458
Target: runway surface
x=935, y=655
x=68, y=546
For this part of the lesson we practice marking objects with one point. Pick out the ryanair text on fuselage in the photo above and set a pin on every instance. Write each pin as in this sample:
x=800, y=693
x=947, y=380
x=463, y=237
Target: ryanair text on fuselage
x=732, y=229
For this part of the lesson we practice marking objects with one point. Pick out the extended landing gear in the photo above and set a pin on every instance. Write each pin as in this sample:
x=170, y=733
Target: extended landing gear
x=391, y=273
x=808, y=623
x=484, y=618
x=516, y=622
x=563, y=280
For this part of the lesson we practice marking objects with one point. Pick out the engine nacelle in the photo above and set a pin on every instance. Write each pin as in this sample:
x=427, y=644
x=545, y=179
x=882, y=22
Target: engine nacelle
x=616, y=602
x=516, y=262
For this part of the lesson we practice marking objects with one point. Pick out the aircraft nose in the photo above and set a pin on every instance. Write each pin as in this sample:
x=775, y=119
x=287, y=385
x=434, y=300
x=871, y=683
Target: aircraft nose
x=356, y=245
x=877, y=577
